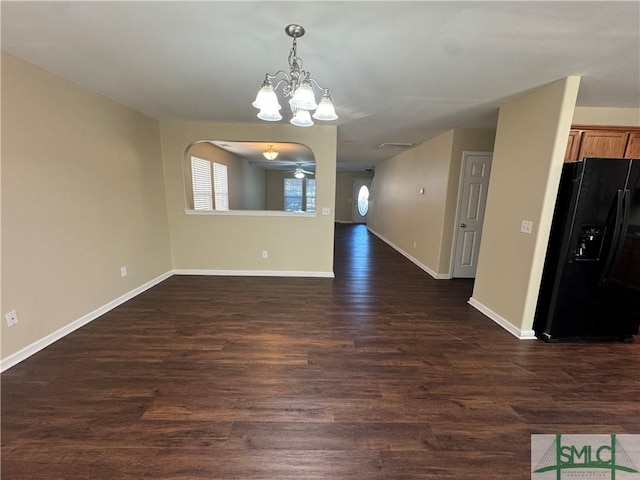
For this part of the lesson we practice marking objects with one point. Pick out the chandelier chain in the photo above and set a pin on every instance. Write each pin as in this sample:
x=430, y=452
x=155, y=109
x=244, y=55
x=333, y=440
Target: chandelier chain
x=297, y=74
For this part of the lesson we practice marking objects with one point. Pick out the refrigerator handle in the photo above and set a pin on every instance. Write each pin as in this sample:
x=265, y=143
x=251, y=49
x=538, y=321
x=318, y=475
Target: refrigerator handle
x=626, y=212
x=621, y=219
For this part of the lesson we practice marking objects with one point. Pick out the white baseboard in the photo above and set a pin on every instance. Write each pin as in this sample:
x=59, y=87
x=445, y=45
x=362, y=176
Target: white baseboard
x=35, y=347
x=503, y=322
x=255, y=273
x=437, y=276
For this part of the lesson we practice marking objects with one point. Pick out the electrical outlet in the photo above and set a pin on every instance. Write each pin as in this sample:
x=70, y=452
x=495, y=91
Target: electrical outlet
x=123, y=271
x=526, y=227
x=265, y=254
x=12, y=318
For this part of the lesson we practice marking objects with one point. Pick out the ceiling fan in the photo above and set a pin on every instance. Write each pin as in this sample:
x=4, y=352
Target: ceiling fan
x=300, y=172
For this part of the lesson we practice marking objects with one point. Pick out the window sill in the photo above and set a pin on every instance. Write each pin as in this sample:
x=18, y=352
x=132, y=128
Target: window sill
x=250, y=213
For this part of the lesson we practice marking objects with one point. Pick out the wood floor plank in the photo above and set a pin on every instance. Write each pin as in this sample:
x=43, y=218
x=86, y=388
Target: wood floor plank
x=381, y=373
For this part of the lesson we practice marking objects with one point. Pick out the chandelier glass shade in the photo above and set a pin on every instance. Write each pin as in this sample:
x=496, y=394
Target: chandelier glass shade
x=270, y=153
x=296, y=85
x=302, y=118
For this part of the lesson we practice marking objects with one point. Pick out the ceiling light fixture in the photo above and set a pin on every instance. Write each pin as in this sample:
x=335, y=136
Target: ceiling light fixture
x=296, y=84
x=298, y=173
x=270, y=153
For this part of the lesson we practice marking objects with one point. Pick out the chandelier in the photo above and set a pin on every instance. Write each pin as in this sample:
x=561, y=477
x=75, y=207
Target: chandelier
x=270, y=153
x=297, y=85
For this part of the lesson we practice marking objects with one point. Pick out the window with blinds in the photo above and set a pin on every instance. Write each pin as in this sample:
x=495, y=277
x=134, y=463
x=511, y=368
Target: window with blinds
x=310, y=194
x=299, y=195
x=221, y=186
x=293, y=194
x=201, y=184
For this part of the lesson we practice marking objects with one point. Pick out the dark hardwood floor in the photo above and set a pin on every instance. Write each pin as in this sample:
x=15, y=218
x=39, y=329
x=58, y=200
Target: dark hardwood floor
x=380, y=373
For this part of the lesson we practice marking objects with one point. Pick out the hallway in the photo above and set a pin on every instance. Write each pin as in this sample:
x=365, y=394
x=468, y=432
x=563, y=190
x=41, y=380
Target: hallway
x=380, y=373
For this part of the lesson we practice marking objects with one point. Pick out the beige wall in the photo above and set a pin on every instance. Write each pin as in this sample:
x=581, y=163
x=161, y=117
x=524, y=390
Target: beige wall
x=302, y=244
x=421, y=226
x=252, y=189
x=344, y=193
x=82, y=196
x=527, y=162
x=275, y=190
x=629, y=117
x=399, y=213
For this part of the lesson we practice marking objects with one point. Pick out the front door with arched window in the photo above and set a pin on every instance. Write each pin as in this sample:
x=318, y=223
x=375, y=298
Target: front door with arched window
x=360, y=198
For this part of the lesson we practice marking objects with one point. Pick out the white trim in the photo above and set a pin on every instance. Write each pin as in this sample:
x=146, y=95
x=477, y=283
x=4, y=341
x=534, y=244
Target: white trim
x=250, y=213
x=437, y=276
x=255, y=273
x=38, y=345
x=503, y=322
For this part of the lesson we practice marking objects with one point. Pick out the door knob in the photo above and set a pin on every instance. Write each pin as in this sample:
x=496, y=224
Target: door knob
x=463, y=225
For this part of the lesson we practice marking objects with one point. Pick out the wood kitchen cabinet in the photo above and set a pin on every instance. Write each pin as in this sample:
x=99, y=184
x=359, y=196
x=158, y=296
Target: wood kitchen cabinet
x=633, y=146
x=603, y=142
x=573, y=145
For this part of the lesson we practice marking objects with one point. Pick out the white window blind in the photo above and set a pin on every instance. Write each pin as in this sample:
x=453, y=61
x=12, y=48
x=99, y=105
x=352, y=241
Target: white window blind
x=201, y=181
x=310, y=185
x=299, y=194
x=221, y=186
x=293, y=194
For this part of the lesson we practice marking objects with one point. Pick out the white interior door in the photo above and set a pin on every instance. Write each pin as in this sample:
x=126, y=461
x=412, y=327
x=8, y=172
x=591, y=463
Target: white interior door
x=472, y=199
x=360, y=199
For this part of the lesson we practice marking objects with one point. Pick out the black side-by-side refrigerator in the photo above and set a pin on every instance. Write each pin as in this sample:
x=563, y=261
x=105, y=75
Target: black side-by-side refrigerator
x=591, y=280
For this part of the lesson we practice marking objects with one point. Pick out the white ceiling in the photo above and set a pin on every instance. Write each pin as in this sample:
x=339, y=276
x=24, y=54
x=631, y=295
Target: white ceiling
x=290, y=155
x=398, y=71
